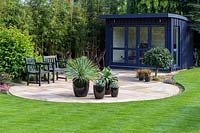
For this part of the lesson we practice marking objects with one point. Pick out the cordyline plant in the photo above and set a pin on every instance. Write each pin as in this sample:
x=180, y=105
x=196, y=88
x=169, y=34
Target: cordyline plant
x=158, y=58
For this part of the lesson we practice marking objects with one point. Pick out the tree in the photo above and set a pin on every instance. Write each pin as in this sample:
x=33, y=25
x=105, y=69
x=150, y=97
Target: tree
x=132, y=6
x=40, y=22
x=59, y=11
x=78, y=32
x=49, y=26
x=194, y=14
x=154, y=6
x=10, y=13
x=158, y=58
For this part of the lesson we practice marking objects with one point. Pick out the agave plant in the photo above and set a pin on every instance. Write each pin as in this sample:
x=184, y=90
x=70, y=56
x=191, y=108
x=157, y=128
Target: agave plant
x=82, y=69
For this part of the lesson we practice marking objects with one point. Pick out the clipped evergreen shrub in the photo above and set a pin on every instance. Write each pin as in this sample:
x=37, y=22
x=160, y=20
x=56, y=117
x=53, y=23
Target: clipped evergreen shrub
x=158, y=58
x=14, y=47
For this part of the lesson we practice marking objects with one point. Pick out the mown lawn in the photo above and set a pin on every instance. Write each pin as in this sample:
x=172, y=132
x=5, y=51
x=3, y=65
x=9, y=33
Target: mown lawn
x=180, y=113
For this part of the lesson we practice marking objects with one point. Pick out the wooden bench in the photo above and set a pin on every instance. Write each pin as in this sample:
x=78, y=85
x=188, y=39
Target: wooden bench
x=34, y=68
x=55, y=66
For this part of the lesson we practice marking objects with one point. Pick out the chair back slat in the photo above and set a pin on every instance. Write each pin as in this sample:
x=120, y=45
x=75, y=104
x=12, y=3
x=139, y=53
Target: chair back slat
x=30, y=64
x=51, y=59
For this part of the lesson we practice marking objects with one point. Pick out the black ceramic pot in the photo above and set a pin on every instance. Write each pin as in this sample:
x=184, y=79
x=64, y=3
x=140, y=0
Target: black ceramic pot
x=114, y=92
x=147, y=79
x=80, y=88
x=99, y=92
x=107, y=89
x=141, y=78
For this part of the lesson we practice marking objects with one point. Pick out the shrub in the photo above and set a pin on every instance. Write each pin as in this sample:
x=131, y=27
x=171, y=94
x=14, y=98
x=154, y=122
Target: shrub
x=14, y=47
x=140, y=73
x=158, y=58
x=147, y=72
x=156, y=79
x=5, y=77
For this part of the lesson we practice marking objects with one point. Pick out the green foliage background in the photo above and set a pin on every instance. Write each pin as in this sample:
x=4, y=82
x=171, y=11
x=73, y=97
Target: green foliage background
x=63, y=26
x=59, y=26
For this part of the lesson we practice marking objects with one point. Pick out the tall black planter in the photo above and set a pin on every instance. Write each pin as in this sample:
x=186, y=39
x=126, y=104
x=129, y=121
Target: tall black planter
x=80, y=88
x=99, y=92
x=107, y=89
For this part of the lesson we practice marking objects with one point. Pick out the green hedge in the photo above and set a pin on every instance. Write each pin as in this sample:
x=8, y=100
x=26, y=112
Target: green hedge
x=14, y=47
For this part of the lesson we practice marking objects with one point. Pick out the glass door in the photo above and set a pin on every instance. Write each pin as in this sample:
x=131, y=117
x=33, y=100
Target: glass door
x=132, y=49
x=138, y=44
x=158, y=37
x=129, y=45
x=176, y=46
x=118, y=55
x=143, y=44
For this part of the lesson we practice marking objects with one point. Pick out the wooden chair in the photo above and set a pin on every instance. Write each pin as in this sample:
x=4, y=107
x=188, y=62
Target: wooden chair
x=55, y=66
x=33, y=68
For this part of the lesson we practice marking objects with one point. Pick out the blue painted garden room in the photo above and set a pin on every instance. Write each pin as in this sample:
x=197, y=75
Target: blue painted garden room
x=128, y=37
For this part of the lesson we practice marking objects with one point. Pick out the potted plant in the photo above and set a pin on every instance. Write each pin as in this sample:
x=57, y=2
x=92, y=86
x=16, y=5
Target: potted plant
x=4, y=79
x=158, y=58
x=99, y=88
x=140, y=74
x=81, y=71
x=147, y=75
x=114, y=88
x=108, y=77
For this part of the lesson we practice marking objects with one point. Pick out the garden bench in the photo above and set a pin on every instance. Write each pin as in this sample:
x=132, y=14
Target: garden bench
x=55, y=66
x=36, y=68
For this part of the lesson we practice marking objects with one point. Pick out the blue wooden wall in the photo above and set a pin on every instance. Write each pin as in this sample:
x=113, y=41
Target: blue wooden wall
x=186, y=46
x=186, y=43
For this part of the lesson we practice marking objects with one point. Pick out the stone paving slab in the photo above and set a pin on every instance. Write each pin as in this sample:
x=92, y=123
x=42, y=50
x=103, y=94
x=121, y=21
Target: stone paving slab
x=130, y=90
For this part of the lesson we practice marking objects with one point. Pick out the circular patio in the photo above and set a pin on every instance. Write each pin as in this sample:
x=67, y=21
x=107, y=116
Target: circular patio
x=130, y=90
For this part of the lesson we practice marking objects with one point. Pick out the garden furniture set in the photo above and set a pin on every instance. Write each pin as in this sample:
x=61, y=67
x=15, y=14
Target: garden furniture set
x=50, y=64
